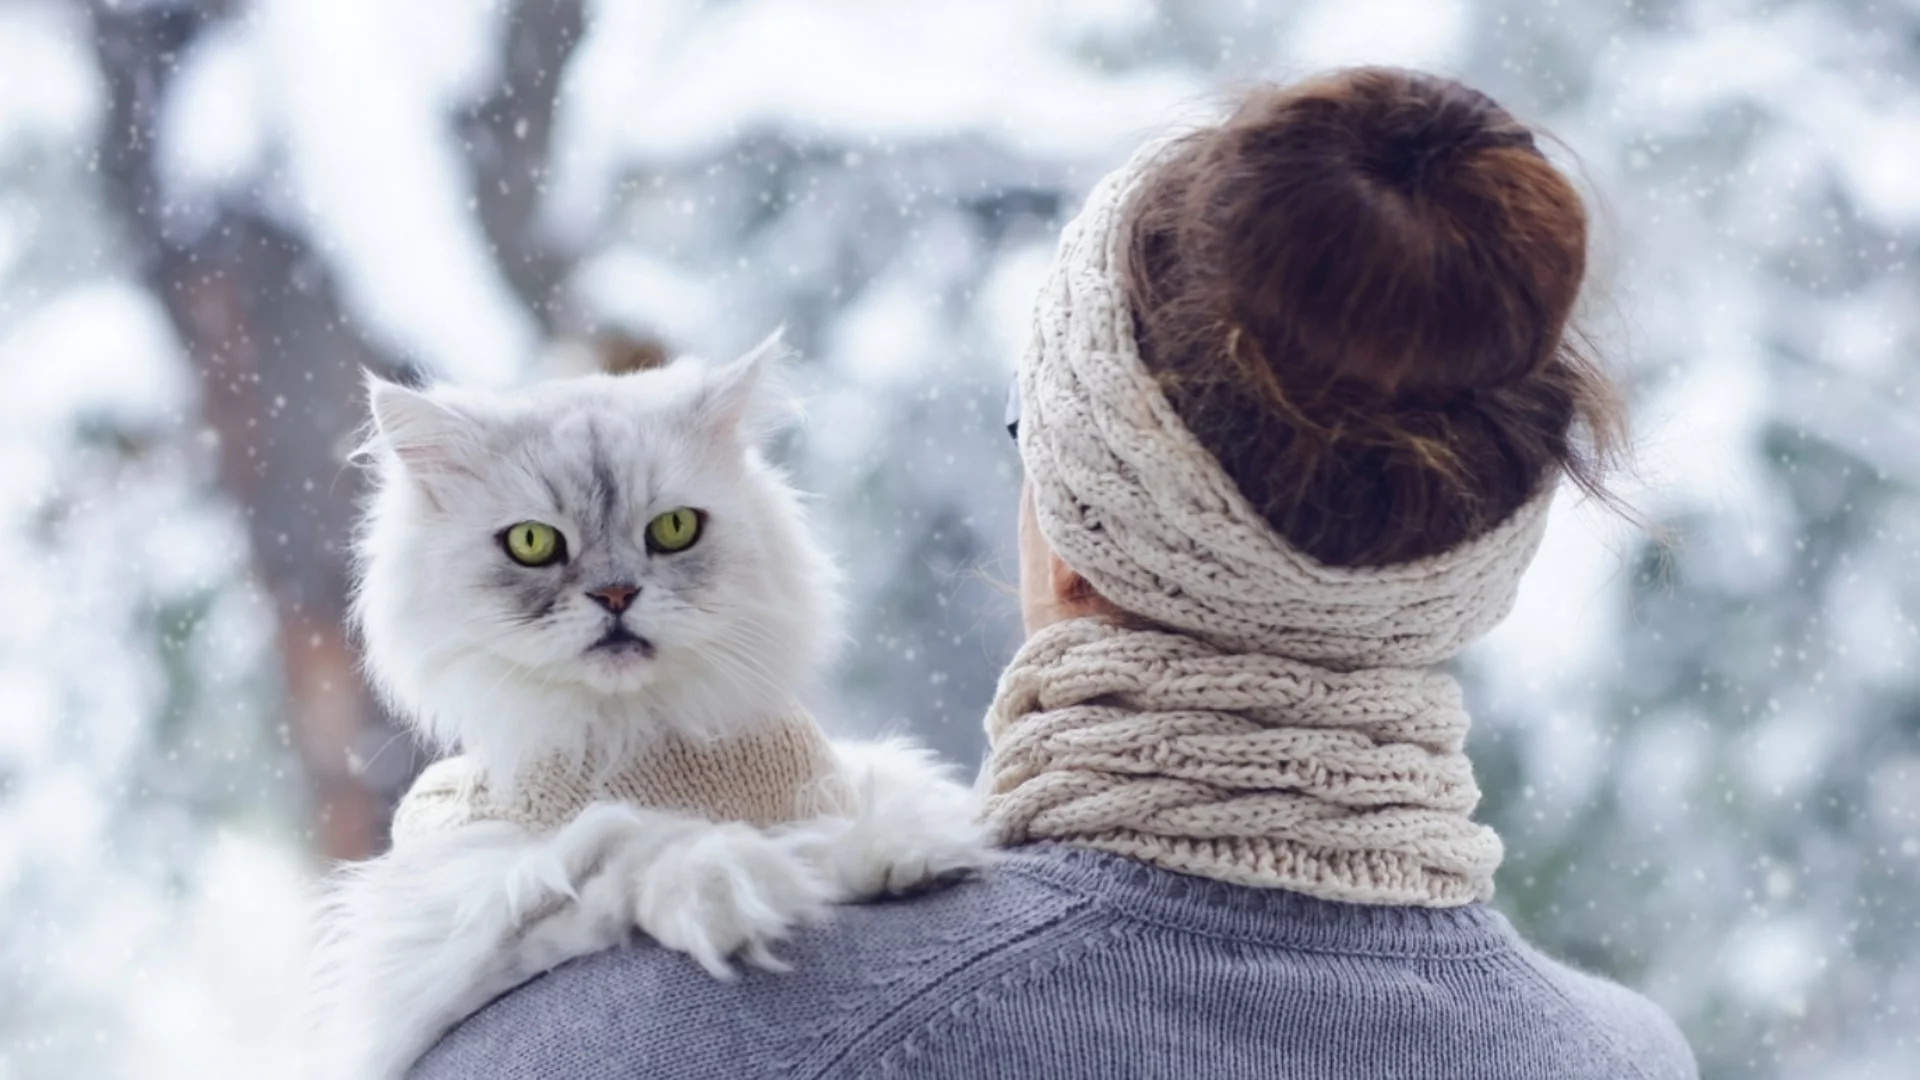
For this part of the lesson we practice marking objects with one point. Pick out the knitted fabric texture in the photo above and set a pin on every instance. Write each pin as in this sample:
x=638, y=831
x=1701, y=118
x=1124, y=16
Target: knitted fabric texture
x=780, y=772
x=1285, y=732
x=1061, y=964
x=1244, y=767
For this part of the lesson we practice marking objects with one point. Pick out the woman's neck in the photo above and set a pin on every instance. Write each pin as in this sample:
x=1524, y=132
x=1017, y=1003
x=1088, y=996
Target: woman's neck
x=1240, y=766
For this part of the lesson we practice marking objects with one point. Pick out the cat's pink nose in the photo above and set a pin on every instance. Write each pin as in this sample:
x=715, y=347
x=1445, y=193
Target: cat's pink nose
x=614, y=598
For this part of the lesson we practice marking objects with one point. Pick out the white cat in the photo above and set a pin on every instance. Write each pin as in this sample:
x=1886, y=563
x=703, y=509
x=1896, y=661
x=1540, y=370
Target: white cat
x=570, y=572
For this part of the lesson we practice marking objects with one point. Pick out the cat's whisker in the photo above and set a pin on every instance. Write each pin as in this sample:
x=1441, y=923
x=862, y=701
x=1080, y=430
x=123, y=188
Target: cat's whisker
x=742, y=665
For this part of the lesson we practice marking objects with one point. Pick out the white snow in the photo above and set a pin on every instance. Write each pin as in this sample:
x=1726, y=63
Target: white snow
x=635, y=288
x=377, y=177
x=1004, y=309
x=102, y=350
x=1430, y=34
x=671, y=81
x=214, y=135
x=50, y=90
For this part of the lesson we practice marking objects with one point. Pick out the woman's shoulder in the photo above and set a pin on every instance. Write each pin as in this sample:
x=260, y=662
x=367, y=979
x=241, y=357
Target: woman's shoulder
x=1068, y=963
x=1619, y=1022
x=854, y=985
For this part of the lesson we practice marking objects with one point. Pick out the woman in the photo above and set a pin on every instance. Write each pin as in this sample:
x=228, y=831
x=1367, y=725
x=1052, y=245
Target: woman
x=1299, y=396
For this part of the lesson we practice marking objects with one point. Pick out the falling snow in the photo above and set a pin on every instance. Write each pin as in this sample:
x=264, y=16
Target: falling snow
x=1699, y=733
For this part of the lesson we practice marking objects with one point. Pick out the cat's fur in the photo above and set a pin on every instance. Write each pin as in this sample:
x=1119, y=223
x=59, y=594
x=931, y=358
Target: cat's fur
x=497, y=661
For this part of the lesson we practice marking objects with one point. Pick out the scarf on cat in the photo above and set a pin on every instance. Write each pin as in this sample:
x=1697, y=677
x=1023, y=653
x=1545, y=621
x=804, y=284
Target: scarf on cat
x=777, y=772
x=1282, y=725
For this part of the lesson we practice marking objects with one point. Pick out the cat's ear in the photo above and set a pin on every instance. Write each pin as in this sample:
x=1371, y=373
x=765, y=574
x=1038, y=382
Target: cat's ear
x=750, y=397
x=431, y=439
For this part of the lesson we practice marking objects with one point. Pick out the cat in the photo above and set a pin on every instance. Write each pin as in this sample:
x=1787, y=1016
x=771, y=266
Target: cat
x=573, y=573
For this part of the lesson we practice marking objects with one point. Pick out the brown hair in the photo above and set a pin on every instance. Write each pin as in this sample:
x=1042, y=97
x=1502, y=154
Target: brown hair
x=1356, y=293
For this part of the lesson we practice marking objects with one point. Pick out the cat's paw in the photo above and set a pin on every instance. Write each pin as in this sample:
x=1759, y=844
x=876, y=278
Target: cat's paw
x=912, y=826
x=731, y=890
x=938, y=855
x=552, y=868
x=874, y=855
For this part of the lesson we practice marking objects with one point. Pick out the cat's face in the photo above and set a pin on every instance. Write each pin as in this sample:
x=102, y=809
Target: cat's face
x=581, y=541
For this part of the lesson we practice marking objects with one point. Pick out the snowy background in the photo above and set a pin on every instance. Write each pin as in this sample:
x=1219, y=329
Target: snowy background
x=1704, y=755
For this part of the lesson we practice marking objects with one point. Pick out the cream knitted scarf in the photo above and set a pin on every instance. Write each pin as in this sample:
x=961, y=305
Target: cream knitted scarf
x=777, y=772
x=1284, y=727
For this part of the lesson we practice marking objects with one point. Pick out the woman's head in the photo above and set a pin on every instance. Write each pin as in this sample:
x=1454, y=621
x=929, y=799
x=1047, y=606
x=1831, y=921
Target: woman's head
x=1355, y=294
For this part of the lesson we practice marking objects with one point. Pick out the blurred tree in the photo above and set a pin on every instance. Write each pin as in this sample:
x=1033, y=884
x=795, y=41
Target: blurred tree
x=279, y=358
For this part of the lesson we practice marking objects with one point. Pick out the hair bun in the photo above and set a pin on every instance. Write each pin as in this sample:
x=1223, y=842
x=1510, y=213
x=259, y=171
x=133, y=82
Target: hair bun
x=1368, y=275
x=1409, y=222
x=1412, y=160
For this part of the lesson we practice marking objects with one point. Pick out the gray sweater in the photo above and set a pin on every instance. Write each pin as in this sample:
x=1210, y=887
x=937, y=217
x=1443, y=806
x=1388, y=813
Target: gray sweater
x=1064, y=964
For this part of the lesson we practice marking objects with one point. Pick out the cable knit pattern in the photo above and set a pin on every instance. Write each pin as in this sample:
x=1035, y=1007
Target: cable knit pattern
x=1244, y=767
x=1289, y=734
x=780, y=772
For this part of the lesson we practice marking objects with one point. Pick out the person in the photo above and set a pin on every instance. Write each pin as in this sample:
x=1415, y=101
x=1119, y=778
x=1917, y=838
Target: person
x=1300, y=391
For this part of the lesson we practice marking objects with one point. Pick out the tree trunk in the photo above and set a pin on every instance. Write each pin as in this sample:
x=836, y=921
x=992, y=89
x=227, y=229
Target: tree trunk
x=279, y=360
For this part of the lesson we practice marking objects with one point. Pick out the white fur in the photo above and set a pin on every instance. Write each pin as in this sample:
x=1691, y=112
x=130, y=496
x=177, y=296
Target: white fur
x=913, y=824
x=415, y=940
x=456, y=466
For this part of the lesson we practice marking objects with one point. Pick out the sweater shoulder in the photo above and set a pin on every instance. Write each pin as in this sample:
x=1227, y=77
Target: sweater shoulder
x=1625, y=1024
x=1127, y=998
x=859, y=984
x=1077, y=966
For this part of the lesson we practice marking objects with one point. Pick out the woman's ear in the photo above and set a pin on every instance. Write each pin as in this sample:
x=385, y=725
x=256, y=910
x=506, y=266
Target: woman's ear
x=1050, y=590
x=1074, y=595
x=1063, y=581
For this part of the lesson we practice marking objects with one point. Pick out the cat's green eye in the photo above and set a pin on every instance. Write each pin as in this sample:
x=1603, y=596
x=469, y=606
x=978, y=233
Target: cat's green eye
x=533, y=543
x=675, y=530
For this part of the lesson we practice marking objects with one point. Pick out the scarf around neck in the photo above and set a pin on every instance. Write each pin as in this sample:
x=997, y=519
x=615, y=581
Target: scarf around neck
x=1244, y=767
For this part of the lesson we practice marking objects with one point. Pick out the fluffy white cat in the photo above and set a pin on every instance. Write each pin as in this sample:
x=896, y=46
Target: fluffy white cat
x=568, y=572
